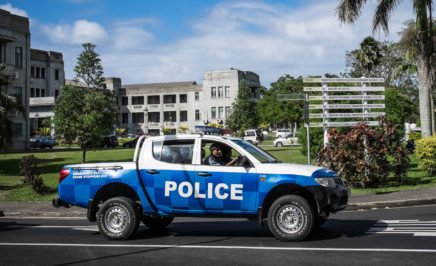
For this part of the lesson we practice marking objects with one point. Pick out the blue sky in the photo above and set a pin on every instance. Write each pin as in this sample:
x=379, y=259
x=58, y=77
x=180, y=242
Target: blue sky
x=145, y=41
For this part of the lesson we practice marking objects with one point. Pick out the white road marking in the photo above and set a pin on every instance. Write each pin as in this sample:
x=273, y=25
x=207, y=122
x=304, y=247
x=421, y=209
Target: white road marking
x=414, y=227
x=220, y=247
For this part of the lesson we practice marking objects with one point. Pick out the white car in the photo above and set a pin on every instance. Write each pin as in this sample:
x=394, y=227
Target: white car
x=280, y=133
x=287, y=140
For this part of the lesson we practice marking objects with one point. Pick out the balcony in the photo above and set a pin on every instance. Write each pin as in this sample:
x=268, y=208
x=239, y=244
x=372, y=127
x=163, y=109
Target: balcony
x=42, y=101
x=8, y=70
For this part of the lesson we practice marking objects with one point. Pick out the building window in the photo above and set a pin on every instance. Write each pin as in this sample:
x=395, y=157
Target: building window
x=19, y=57
x=43, y=73
x=197, y=115
x=213, y=112
x=154, y=117
x=18, y=129
x=38, y=92
x=220, y=92
x=153, y=99
x=183, y=98
x=124, y=101
x=2, y=52
x=227, y=111
x=183, y=116
x=32, y=92
x=197, y=96
x=32, y=71
x=42, y=92
x=18, y=94
x=169, y=99
x=221, y=112
x=137, y=100
x=37, y=72
x=138, y=117
x=227, y=92
x=125, y=118
x=213, y=92
x=170, y=116
x=56, y=93
x=56, y=74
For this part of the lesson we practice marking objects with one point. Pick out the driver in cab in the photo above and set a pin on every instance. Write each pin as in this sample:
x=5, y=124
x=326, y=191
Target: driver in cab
x=216, y=157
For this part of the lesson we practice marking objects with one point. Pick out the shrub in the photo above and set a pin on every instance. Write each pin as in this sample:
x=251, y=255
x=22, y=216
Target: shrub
x=361, y=155
x=29, y=169
x=426, y=151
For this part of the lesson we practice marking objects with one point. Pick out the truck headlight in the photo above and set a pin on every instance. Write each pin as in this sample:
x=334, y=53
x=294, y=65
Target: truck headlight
x=326, y=181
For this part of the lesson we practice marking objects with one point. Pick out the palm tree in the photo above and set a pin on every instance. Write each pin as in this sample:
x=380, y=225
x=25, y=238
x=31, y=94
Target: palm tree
x=349, y=10
x=369, y=54
x=7, y=104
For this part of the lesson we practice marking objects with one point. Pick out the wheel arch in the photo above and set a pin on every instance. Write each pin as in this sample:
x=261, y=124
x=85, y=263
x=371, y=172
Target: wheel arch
x=287, y=189
x=110, y=190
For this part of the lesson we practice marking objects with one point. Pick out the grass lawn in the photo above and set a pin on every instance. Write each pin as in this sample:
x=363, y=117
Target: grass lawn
x=51, y=161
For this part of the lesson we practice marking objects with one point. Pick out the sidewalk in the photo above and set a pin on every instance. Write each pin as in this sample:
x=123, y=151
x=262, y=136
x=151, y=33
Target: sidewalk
x=388, y=200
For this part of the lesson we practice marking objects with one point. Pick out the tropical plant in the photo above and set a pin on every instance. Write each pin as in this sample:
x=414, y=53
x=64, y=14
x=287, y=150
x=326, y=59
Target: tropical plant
x=120, y=131
x=426, y=150
x=166, y=130
x=349, y=10
x=183, y=129
x=45, y=131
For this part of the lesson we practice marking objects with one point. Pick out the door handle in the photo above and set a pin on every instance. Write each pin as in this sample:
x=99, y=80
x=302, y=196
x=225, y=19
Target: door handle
x=204, y=174
x=153, y=171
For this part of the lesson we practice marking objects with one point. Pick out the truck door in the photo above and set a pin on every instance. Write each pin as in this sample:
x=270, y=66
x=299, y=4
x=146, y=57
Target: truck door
x=168, y=174
x=225, y=189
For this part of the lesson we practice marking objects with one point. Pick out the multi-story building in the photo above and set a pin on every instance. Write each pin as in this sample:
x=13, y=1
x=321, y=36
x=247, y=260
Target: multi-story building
x=147, y=108
x=46, y=78
x=15, y=54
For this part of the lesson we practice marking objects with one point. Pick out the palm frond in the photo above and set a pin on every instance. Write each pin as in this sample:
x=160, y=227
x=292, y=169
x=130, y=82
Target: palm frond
x=409, y=42
x=382, y=14
x=349, y=10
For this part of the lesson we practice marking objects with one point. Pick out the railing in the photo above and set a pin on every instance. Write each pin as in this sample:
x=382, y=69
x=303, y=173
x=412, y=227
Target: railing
x=42, y=101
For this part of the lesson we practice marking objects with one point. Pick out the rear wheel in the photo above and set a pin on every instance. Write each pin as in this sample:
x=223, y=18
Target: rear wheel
x=118, y=218
x=158, y=222
x=290, y=218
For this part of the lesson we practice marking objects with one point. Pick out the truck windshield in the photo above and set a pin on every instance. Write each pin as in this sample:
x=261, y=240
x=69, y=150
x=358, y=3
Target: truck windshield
x=258, y=153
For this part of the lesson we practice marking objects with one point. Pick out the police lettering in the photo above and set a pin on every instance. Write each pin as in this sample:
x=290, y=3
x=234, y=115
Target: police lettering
x=220, y=191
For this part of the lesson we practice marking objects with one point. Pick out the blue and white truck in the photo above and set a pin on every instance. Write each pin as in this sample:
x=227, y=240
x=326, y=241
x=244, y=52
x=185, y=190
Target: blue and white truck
x=169, y=177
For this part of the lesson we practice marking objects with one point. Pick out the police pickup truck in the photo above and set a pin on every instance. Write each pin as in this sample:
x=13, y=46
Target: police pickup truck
x=170, y=176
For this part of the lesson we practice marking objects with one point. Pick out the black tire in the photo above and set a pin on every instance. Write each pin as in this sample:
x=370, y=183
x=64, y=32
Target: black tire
x=118, y=218
x=158, y=222
x=279, y=144
x=290, y=218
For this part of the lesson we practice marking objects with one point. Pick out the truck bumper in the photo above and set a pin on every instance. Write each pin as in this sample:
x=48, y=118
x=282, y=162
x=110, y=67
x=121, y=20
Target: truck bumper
x=330, y=200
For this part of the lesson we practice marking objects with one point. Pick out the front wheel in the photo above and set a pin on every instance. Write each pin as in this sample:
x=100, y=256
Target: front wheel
x=279, y=144
x=158, y=222
x=290, y=218
x=118, y=218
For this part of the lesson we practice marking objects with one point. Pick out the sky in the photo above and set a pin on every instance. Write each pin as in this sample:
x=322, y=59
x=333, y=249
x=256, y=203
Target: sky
x=149, y=41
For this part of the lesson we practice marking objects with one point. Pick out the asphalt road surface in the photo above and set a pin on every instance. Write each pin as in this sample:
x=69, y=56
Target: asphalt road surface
x=401, y=236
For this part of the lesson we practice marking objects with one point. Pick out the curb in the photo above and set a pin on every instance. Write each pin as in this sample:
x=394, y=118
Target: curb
x=390, y=204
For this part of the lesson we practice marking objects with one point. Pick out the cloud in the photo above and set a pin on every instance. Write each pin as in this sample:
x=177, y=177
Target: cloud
x=80, y=32
x=14, y=10
x=268, y=39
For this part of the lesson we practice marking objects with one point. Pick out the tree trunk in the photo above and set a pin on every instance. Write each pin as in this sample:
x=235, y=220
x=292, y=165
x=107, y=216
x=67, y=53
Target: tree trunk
x=424, y=96
x=84, y=155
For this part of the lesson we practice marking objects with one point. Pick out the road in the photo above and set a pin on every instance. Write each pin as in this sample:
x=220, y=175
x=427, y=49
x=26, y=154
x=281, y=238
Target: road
x=401, y=236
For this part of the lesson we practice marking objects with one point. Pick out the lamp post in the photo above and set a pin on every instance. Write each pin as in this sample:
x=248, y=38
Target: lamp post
x=36, y=123
x=145, y=120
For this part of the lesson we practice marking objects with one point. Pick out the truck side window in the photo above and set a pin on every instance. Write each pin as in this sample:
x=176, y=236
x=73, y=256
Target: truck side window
x=174, y=151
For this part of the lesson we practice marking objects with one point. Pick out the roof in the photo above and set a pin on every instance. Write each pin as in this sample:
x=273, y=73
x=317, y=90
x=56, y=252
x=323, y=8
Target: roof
x=171, y=86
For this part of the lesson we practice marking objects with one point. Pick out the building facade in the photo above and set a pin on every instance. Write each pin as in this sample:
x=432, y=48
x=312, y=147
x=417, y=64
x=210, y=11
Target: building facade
x=46, y=78
x=15, y=55
x=180, y=106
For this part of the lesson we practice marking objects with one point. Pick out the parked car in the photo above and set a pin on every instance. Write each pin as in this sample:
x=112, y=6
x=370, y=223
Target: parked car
x=42, y=142
x=287, y=140
x=109, y=141
x=130, y=143
x=280, y=133
x=253, y=136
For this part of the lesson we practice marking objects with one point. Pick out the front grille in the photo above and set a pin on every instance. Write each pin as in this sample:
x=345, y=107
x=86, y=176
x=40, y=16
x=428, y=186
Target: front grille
x=338, y=181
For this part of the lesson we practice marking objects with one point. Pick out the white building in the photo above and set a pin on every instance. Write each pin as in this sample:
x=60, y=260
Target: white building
x=147, y=108
x=15, y=54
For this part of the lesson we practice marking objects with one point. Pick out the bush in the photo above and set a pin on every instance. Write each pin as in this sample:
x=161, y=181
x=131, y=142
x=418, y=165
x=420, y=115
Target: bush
x=362, y=155
x=426, y=151
x=29, y=169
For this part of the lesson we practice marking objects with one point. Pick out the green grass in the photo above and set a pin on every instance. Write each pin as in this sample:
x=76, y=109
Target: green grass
x=51, y=161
